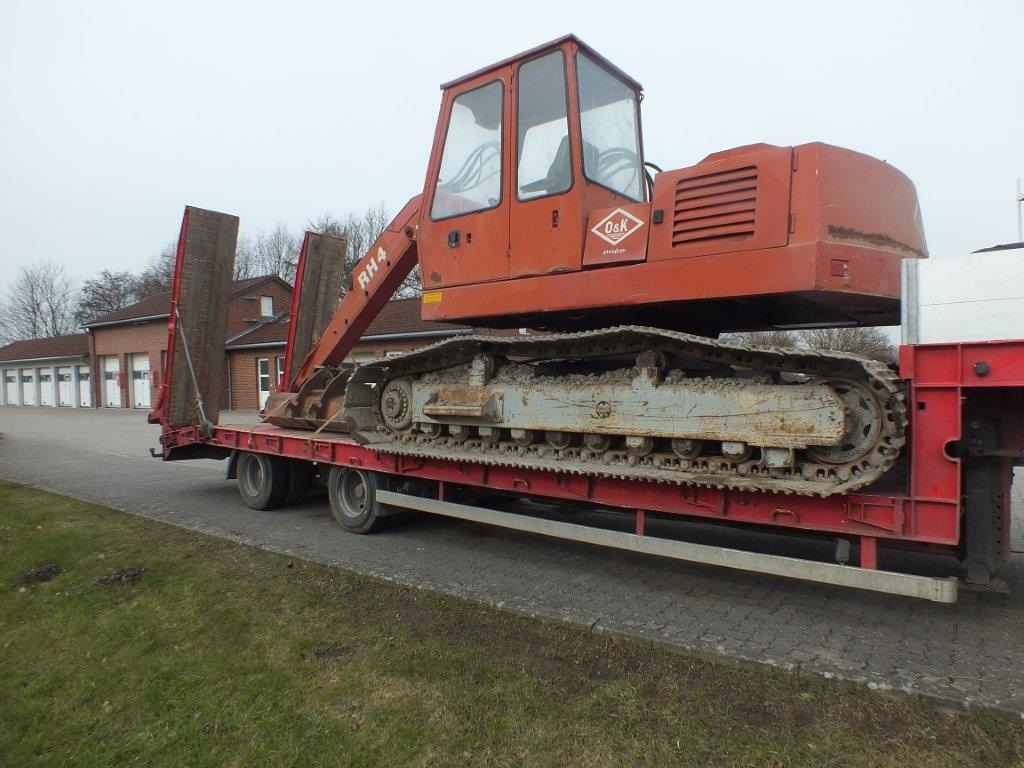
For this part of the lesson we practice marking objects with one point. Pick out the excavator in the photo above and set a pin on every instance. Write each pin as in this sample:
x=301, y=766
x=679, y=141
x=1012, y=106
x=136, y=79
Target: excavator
x=607, y=369
x=540, y=212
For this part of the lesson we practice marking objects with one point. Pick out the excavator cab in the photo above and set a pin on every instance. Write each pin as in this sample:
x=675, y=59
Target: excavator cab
x=538, y=211
x=524, y=151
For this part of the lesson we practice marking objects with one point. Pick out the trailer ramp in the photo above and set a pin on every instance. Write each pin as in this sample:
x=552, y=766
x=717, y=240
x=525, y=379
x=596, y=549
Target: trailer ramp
x=189, y=396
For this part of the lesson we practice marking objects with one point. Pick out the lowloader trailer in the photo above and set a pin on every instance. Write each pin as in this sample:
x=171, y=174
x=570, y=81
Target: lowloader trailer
x=609, y=383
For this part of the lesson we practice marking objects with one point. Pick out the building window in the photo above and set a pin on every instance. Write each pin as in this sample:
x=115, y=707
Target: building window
x=280, y=370
x=266, y=306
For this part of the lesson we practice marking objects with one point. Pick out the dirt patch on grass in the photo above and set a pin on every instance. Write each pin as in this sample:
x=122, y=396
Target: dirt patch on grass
x=40, y=574
x=329, y=651
x=126, y=577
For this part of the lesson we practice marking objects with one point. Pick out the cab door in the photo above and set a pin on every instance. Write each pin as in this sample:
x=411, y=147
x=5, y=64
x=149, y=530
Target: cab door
x=545, y=223
x=463, y=233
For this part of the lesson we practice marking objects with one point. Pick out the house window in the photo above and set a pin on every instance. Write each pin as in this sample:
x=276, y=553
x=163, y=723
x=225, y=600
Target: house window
x=266, y=306
x=280, y=370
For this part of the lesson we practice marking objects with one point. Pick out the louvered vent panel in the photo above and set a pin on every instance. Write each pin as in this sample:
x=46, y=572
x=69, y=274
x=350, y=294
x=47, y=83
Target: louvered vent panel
x=715, y=206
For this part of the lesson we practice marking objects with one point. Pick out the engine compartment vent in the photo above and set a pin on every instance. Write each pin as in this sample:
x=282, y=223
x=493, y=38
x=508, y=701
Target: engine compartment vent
x=717, y=206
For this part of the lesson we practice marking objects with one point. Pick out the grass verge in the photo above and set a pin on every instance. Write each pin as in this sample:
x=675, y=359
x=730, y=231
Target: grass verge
x=151, y=645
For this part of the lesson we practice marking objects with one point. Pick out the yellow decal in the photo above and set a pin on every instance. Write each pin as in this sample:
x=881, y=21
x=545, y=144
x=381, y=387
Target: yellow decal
x=432, y=298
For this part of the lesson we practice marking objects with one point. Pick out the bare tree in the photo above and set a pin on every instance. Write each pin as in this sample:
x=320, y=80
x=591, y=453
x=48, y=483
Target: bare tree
x=7, y=333
x=776, y=337
x=276, y=253
x=40, y=302
x=105, y=293
x=866, y=342
x=245, y=258
x=158, y=276
x=362, y=230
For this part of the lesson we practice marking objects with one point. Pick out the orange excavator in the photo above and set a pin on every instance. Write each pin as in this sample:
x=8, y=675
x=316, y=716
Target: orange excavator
x=607, y=376
x=539, y=211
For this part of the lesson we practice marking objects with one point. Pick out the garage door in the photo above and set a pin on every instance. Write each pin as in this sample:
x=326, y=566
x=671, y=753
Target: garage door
x=140, y=381
x=111, y=382
x=65, y=395
x=46, y=387
x=84, y=391
x=28, y=386
x=10, y=387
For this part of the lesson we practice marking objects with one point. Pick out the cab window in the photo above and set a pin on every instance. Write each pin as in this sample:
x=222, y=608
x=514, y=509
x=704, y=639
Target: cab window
x=470, y=175
x=544, y=165
x=610, y=129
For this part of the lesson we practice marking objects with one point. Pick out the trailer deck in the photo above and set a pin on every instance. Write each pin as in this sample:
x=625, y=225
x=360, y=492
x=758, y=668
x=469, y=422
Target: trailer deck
x=948, y=494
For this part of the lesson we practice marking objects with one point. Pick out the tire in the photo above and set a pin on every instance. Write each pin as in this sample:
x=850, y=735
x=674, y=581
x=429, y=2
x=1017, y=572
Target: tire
x=353, y=495
x=262, y=480
x=300, y=478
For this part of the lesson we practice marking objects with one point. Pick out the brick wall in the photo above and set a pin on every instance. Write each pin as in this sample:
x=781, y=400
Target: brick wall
x=244, y=377
x=244, y=310
x=151, y=338
x=243, y=370
x=123, y=341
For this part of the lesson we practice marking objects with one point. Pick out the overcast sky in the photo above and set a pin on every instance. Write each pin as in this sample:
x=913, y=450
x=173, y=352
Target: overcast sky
x=114, y=115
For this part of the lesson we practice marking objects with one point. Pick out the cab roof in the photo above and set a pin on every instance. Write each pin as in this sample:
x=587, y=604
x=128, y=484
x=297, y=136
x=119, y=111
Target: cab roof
x=541, y=49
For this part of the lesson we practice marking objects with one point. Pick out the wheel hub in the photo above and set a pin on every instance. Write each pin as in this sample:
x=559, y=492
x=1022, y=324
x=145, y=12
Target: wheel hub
x=396, y=404
x=863, y=418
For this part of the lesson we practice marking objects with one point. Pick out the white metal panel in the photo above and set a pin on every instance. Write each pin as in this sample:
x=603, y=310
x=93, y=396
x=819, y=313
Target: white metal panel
x=28, y=386
x=65, y=395
x=140, y=380
x=84, y=390
x=46, y=386
x=10, y=386
x=111, y=381
x=977, y=297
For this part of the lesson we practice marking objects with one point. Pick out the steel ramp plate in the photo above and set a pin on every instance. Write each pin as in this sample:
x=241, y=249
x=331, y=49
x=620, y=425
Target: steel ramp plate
x=317, y=290
x=199, y=315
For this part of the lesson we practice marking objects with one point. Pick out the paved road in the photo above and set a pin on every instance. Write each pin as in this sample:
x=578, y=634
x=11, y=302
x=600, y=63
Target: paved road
x=972, y=652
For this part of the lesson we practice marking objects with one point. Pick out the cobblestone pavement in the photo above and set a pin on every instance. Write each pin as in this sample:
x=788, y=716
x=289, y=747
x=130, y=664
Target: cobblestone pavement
x=969, y=653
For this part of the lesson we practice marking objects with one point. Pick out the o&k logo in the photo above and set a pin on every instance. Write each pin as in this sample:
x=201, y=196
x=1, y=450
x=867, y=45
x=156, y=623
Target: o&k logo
x=617, y=226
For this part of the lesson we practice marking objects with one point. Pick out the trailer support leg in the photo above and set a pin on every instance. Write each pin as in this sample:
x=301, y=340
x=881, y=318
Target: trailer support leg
x=869, y=552
x=640, y=522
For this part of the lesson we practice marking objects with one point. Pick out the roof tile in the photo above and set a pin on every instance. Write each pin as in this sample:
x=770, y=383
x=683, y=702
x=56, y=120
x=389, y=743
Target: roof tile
x=56, y=346
x=399, y=316
x=159, y=304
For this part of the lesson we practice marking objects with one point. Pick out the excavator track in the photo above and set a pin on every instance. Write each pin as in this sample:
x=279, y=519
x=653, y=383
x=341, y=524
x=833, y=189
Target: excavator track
x=819, y=471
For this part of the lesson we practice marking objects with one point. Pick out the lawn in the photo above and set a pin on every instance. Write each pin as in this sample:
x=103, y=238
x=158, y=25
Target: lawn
x=218, y=654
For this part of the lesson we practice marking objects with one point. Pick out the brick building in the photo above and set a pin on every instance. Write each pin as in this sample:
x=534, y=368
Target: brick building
x=118, y=363
x=128, y=347
x=256, y=354
x=49, y=372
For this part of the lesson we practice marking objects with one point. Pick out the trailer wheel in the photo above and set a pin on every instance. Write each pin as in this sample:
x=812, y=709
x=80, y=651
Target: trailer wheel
x=300, y=478
x=262, y=480
x=353, y=495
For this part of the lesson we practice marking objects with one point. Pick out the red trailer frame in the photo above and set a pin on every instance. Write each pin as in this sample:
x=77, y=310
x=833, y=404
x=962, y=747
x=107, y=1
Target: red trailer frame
x=950, y=495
